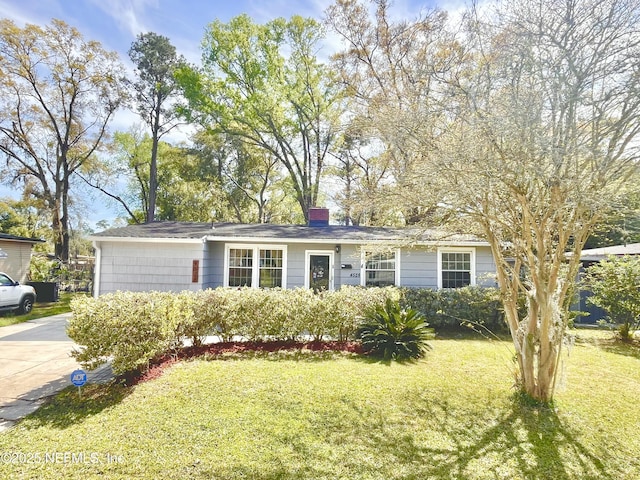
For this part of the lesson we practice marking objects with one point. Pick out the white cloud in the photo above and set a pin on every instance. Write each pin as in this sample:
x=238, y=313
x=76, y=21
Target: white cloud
x=129, y=15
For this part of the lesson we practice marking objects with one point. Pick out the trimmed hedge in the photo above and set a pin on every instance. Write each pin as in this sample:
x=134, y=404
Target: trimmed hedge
x=129, y=328
x=132, y=328
x=455, y=308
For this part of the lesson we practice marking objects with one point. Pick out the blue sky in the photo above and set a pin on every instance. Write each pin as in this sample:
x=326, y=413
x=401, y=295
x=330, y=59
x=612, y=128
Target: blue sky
x=116, y=23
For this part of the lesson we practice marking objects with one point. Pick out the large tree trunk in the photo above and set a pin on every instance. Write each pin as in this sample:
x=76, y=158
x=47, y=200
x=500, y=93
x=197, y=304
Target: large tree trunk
x=537, y=336
x=537, y=351
x=153, y=181
x=56, y=225
x=153, y=168
x=60, y=219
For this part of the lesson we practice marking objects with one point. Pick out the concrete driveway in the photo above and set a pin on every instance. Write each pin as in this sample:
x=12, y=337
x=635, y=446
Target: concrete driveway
x=35, y=363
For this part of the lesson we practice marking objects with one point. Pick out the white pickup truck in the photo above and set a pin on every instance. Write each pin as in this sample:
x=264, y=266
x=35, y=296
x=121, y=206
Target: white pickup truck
x=14, y=296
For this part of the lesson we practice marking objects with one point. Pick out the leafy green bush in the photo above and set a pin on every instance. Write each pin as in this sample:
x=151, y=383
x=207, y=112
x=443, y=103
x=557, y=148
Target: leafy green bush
x=393, y=333
x=219, y=311
x=286, y=313
x=41, y=268
x=131, y=328
x=451, y=309
x=192, y=316
x=615, y=284
x=346, y=308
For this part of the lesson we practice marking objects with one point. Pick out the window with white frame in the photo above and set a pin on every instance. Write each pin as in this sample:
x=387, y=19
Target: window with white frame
x=456, y=267
x=380, y=269
x=240, y=270
x=260, y=266
x=271, y=267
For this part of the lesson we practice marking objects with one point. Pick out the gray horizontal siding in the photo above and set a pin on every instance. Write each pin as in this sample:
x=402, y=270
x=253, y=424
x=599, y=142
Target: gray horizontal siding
x=149, y=266
x=213, y=274
x=485, y=268
x=349, y=255
x=419, y=268
x=296, y=258
x=156, y=266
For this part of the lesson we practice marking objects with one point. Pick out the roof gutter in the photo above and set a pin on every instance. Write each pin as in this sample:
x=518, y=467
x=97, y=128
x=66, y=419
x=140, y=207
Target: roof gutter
x=254, y=239
x=97, y=239
x=350, y=241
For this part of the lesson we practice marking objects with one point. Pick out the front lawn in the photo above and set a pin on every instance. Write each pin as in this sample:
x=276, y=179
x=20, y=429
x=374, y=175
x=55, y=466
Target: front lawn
x=324, y=415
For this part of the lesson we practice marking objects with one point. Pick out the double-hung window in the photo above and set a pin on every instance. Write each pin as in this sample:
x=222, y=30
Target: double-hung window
x=262, y=266
x=240, y=270
x=271, y=267
x=456, y=267
x=381, y=269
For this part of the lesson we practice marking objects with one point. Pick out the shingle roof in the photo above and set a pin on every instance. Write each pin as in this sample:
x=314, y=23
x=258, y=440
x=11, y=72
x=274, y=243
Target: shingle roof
x=596, y=254
x=16, y=238
x=265, y=231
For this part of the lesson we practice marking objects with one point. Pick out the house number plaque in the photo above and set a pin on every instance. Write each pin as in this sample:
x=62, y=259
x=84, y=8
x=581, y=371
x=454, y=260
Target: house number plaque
x=195, y=271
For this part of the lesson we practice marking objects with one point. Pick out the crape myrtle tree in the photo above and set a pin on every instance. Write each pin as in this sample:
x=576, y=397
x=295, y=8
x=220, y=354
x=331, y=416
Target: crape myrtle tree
x=545, y=144
x=264, y=85
x=537, y=141
x=155, y=60
x=59, y=91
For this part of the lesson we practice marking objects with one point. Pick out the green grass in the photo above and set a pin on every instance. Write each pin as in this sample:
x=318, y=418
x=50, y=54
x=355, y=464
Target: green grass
x=40, y=310
x=299, y=415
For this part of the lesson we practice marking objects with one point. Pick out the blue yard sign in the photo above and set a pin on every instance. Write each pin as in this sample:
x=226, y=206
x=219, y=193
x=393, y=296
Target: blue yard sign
x=79, y=377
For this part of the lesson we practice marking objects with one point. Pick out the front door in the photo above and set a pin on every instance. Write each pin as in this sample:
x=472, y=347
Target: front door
x=319, y=271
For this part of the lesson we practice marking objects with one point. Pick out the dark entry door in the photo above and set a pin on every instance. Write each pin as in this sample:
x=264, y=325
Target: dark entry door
x=319, y=273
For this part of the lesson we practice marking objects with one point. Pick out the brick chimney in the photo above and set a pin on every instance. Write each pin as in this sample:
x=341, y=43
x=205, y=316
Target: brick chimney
x=318, y=217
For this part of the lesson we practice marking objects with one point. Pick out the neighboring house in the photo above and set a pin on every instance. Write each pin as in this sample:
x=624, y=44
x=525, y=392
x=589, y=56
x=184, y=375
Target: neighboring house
x=15, y=255
x=588, y=258
x=594, y=255
x=175, y=256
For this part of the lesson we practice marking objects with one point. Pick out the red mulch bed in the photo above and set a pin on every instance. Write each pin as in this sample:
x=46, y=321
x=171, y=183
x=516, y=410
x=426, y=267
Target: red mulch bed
x=157, y=367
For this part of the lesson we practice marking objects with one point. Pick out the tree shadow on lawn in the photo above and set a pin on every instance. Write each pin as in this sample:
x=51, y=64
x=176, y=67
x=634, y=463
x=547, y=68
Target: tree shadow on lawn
x=613, y=344
x=523, y=442
x=620, y=347
x=70, y=407
x=371, y=358
x=471, y=333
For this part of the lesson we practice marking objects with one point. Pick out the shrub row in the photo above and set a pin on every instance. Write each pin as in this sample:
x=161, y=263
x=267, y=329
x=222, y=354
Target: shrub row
x=132, y=328
x=450, y=309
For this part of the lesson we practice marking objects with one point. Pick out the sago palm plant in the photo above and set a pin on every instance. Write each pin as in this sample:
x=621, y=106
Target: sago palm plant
x=392, y=333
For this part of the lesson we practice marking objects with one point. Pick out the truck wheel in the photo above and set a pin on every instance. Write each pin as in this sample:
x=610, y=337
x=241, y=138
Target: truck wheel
x=26, y=305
